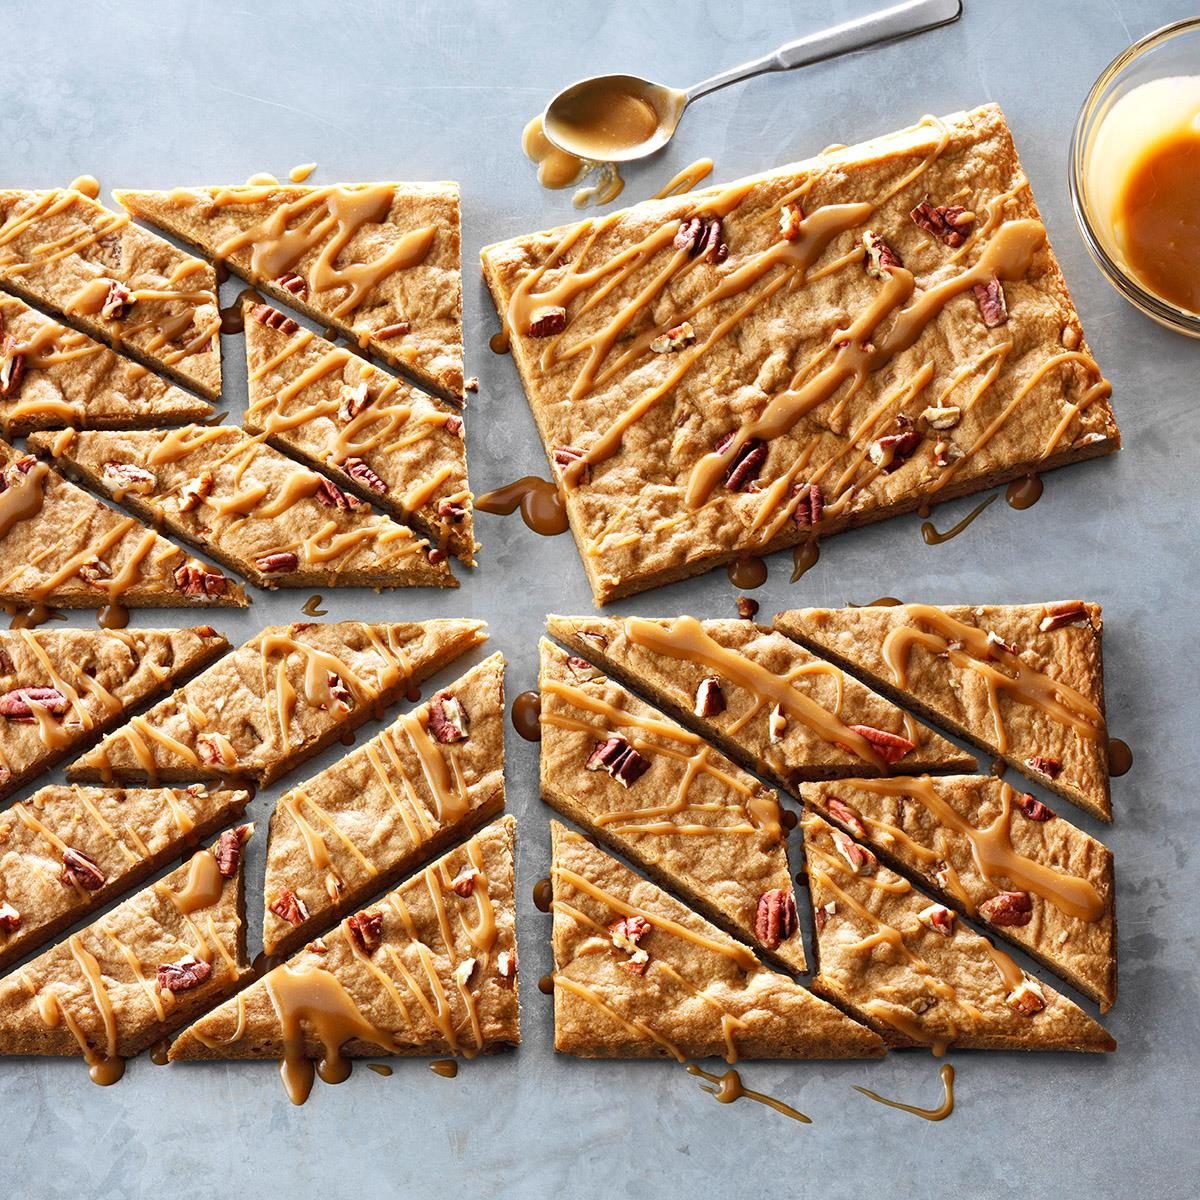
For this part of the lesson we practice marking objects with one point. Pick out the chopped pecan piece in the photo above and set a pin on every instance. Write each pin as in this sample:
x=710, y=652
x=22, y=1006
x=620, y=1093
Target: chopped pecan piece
x=821, y=915
x=945, y=452
x=212, y=749
x=436, y=555
x=891, y=747
x=18, y=704
x=939, y=417
x=366, y=928
x=626, y=934
x=790, y=217
x=1027, y=998
x=993, y=308
x=776, y=725
x=341, y=698
x=452, y=512
x=193, y=579
x=10, y=918
x=581, y=668
x=192, y=494
x=893, y=450
x=809, y=506
x=506, y=967
x=127, y=477
x=289, y=907
x=1043, y=764
x=329, y=495
x=353, y=400
x=272, y=318
x=279, y=563
x=840, y=811
x=448, y=719
x=95, y=571
x=775, y=920
x=357, y=469
x=746, y=463
x=938, y=918
x=547, y=320
x=454, y=425
x=464, y=971
x=564, y=456
x=747, y=608
x=471, y=383
x=179, y=976
x=881, y=258
x=12, y=367
x=996, y=642
x=80, y=870
x=944, y=221
x=674, y=339
x=703, y=237
x=229, y=850
x=1007, y=908
x=394, y=330
x=861, y=860
x=293, y=283
x=1033, y=808
x=7, y=666
x=620, y=760
x=463, y=884
x=118, y=303
x=1069, y=612
x=710, y=700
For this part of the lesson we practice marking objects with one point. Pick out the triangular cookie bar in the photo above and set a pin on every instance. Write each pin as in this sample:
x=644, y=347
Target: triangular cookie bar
x=250, y=507
x=61, y=689
x=68, y=850
x=64, y=251
x=59, y=545
x=994, y=854
x=277, y=700
x=1025, y=682
x=776, y=709
x=428, y=779
x=662, y=796
x=377, y=436
x=639, y=975
x=138, y=972
x=430, y=968
x=771, y=360
x=380, y=262
x=905, y=965
x=51, y=376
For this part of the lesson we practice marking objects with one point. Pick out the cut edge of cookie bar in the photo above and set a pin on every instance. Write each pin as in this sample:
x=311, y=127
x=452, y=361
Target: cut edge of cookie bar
x=857, y=640
x=437, y=807
x=759, y=909
x=609, y=969
x=614, y=571
x=439, y=371
x=272, y=338
x=1030, y=1015
x=1063, y=885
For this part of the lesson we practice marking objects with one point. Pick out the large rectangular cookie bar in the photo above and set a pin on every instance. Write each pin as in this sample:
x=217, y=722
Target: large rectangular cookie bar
x=759, y=364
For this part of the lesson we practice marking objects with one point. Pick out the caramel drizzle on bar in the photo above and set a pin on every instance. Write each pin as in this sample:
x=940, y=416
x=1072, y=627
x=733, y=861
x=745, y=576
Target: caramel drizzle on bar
x=178, y=327
x=752, y=811
x=685, y=638
x=1002, y=672
x=991, y=848
x=840, y=368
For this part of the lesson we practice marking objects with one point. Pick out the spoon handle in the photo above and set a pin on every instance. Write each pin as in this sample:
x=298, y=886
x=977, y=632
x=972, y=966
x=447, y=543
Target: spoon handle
x=886, y=25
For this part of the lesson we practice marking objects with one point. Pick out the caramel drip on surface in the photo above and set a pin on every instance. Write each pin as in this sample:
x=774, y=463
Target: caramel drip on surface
x=380, y=1069
x=312, y=607
x=729, y=1087
x=540, y=501
x=940, y=1113
x=316, y=998
x=447, y=1068
x=968, y=648
x=932, y=537
x=741, y=956
x=992, y=848
x=1024, y=493
x=684, y=638
x=686, y=180
x=543, y=895
x=204, y=884
x=526, y=716
x=1120, y=757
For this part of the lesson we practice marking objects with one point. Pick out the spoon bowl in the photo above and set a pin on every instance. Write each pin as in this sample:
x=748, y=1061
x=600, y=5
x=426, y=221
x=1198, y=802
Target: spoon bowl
x=613, y=118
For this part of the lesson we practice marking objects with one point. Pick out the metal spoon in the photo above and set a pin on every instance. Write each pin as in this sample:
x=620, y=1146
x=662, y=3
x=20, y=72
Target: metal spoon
x=619, y=118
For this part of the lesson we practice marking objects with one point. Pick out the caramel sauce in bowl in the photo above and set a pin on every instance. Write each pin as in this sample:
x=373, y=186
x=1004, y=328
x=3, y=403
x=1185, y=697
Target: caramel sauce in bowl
x=1135, y=174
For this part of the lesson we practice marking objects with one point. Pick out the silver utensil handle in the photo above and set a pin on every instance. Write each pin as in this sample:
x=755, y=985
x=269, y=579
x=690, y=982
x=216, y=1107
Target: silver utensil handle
x=886, y=25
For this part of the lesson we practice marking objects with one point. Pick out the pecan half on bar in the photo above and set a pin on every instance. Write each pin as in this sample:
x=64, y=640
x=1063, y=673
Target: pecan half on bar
x=945, y=222
x=179, y=976
x=192, y=579
x=356, y=468
x=18, y=705
x=993, y=308
x=289, y=907
x=278, y=563
x=264, y=314
x=1007, y=908
x=746, y=464
x=448, y=719
x=81, y=871
x=12, y=367
x=619, y=759
x=775, y=920
x=367, y=930
x=229, y=851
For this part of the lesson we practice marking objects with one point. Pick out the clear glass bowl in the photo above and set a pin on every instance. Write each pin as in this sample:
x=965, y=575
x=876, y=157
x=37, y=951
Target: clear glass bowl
x=1172, y=50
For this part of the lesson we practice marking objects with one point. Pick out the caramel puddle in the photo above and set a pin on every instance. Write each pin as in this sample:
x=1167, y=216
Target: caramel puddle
x=940, y=1113
x=729, y=1087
